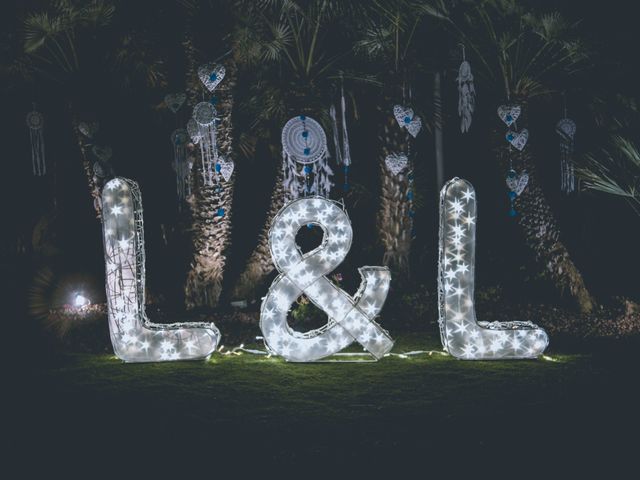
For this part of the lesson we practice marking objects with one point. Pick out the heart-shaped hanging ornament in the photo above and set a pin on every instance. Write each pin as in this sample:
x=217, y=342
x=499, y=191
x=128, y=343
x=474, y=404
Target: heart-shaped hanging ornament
x=566, y=128
x=517, y=183
x=194, y=130
x=174, y=101
x=88, y=129
x=396, y=162
x=103, y=153
x=509, y=113
x=211, y=74
x=226, y=167
x=406, y=119
x=414, y=126
x=518, y=139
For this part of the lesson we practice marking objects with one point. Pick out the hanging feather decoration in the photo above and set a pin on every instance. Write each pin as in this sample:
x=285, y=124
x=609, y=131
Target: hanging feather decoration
x=35, y=122
x=566, y=129
x=181, y=164
x=343, y=154
x=466, y=94
x=305, y=159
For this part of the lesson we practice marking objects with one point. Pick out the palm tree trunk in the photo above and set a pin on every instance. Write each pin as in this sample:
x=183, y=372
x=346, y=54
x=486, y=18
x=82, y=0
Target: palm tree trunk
x=394, y=222
x=438, y=123
x=260, y=264
x=540, y=228
x=210, y=222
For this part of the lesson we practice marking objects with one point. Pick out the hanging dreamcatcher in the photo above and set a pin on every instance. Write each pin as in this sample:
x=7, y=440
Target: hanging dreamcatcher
x=566, y=129
x=181, y=164
x=202, y=129
x=466, y=94
x=35, y=122
x=343, y=155
x=305, y=159
x=204, y=115
x=516, y=182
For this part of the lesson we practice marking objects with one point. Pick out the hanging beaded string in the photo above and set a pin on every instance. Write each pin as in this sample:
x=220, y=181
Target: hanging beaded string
x=308, y=169
x=512, y=195
x=410, y=177
x=345, y=139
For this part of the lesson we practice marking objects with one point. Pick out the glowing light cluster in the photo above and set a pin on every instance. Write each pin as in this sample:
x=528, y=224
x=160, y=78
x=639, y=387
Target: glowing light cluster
x=133, y=336
x=462, y=336
x=349, y=318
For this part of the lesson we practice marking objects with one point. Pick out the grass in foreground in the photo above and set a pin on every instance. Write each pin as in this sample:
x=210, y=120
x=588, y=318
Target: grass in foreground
x=398, y=408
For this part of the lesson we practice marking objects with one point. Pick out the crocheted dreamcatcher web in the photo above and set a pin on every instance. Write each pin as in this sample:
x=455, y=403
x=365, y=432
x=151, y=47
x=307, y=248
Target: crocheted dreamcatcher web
x=304, y=140
x=305, y=159
x=204, y=114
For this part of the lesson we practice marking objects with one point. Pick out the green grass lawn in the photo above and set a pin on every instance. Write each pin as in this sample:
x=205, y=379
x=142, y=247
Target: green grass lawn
x=426, y=408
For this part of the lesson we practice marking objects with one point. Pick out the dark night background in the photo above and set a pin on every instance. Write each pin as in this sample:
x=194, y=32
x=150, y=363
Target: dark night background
x=600, y=231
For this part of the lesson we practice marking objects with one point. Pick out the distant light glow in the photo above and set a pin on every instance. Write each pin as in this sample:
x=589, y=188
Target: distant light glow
x=349, y=318
x=462, y=336
x=81, y=301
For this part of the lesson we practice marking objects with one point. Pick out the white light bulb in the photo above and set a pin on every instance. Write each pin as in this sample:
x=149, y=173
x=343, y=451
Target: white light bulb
x=81, y=300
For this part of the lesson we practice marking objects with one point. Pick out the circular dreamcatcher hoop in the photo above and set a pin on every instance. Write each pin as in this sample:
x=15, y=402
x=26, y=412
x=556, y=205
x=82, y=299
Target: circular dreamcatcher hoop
x=304, y=140
x=35, y=120
x=204, y=114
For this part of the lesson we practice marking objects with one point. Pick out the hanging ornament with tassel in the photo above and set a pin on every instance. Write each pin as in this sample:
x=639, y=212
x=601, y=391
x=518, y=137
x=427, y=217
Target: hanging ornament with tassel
x=35, y=122
x=343, y=154
x=566, y=130
x=466, y=94
x=305, y=159
x=181, y=164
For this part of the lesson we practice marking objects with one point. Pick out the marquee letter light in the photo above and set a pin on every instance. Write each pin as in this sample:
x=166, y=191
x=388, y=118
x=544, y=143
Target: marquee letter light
x=462, y=336
x=133, y=336
x=349, y=318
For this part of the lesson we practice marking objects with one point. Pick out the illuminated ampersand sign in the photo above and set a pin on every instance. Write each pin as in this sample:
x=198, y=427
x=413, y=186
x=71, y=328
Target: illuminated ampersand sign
x=350, y=318
x=133, y=336
x=461, y=335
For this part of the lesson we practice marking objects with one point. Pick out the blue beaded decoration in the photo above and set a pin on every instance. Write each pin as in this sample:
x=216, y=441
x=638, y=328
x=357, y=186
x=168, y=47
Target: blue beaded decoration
x=221, y=212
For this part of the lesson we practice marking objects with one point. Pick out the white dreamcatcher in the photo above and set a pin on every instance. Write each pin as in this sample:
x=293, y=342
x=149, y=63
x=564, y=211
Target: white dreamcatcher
x=566, y=129
x=305, y=159
x=466, y=94
x=35, y=122
x=202, y=129
x=204, y=115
